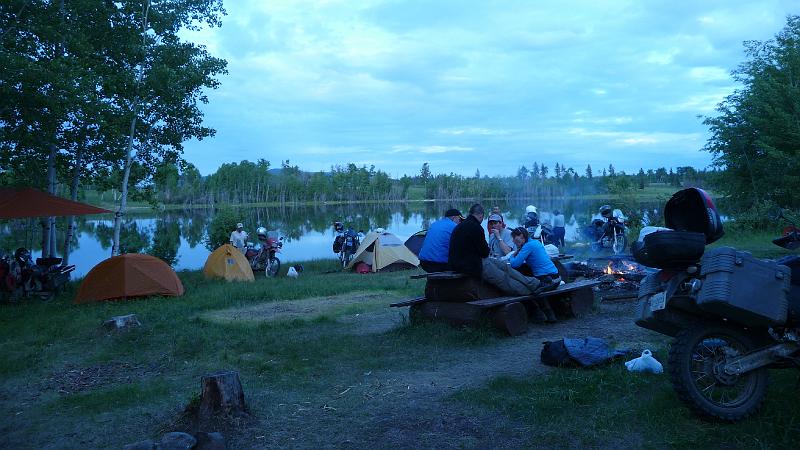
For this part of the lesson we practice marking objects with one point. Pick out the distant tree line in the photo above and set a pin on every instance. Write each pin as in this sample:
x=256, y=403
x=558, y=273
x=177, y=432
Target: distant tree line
x=257, y=182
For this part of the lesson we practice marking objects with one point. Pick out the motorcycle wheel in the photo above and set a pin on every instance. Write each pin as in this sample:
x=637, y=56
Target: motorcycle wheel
x=273, y=267
x=347, y=258
x=696, y=358
x=618, y=246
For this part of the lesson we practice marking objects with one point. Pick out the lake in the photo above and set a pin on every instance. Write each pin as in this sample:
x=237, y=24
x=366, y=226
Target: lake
x=178, y=236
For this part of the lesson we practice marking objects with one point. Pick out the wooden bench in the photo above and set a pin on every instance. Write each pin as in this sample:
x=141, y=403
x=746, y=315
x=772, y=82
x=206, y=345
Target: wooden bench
x=508, y=313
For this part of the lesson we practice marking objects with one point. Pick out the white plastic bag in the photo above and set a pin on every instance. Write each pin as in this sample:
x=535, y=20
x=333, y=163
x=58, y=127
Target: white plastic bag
x=292, y=273
x=645, y=363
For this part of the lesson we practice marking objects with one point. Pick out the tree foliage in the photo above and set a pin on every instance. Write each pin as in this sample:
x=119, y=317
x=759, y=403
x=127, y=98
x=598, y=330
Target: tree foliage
x=755, y=138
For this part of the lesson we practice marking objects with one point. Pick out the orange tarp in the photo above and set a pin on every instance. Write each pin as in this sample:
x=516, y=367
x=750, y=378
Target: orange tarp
x=129, y=275
x=28, y=202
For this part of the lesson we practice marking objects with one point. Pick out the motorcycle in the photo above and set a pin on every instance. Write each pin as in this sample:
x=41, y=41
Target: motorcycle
x=608, y=232
x=19, y=277
x=263, y=256
x=536, y=229
x=345, y=243
x=732, y=316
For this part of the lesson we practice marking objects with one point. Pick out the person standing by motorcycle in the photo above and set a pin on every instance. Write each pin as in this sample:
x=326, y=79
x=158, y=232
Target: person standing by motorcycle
x=559, y=228
x=239, y=238
x=433, y=256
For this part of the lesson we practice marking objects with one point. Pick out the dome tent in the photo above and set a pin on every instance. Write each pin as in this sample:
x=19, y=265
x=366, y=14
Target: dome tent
x=228, y=263
x=129, y=275
x=383, y=251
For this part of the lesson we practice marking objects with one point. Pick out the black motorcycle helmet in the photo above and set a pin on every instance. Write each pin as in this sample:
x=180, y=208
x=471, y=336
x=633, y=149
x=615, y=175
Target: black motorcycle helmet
x=338, y=226
x=22, y=255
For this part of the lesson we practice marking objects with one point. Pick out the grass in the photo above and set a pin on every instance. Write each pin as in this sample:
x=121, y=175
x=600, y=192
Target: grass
x=317, y=380
x=610, y=407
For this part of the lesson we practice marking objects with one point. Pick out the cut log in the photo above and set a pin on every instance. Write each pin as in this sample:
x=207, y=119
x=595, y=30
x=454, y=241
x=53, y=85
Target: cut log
x=511, y=318
x=221, y=394
x=450, y=312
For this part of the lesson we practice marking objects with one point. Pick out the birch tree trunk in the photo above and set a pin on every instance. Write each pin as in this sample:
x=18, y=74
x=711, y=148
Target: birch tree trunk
x=73, y=191
x=123, y=200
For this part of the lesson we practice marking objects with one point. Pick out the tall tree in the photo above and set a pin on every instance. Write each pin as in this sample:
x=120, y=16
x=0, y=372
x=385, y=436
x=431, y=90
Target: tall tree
x=755, y=138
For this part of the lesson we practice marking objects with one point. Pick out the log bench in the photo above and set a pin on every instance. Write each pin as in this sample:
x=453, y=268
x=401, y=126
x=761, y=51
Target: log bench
x=507, y=313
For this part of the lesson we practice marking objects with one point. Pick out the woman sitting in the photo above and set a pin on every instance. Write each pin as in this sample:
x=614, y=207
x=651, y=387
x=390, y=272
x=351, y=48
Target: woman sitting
x=531, y=258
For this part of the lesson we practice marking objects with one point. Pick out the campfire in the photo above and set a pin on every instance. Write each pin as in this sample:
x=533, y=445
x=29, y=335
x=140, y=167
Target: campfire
x=619, y=275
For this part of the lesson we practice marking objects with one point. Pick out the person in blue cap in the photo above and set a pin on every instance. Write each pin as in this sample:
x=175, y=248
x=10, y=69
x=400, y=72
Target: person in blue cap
x=433, y=256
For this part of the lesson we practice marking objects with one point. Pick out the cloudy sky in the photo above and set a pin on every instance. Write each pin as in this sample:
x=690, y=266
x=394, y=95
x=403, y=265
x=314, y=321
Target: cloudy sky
x=470, y=85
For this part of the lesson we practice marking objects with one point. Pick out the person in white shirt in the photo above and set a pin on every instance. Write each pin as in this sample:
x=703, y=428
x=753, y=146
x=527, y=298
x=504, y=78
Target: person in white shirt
x=559, y=227
x=239, y=238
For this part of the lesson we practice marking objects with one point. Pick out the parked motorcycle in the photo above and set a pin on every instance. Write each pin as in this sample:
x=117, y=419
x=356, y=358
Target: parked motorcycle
x=345, y=243
x=608, y=232
x=537, y=229
x=263, y=255
x=19, y=277
x=732, y=316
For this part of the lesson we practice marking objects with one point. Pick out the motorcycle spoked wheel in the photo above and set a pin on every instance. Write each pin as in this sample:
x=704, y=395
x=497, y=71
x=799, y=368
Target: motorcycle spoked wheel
x=273, y=267
x=696, y=358
x=619, y=245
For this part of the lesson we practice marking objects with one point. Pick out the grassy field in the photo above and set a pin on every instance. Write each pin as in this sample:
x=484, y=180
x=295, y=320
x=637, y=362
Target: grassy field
x=325, y=363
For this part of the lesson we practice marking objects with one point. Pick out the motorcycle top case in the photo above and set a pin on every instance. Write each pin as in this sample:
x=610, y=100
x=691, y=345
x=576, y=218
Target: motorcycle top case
x=692, y=210
x=744, y=289
x=669, y=249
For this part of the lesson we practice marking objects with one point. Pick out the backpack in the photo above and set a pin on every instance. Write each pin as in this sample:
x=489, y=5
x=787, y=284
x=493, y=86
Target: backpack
x=554, y=353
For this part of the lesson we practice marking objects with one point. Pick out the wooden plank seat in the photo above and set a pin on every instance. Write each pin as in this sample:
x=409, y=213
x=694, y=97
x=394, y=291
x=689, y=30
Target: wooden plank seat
x=508, y=313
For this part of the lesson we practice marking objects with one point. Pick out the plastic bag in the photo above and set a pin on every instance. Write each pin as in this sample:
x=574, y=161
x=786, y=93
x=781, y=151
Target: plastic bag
x=645, y=363
x=292, y=273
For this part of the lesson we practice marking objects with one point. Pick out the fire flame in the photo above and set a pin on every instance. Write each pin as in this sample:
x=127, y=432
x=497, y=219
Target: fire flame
x=620, y=268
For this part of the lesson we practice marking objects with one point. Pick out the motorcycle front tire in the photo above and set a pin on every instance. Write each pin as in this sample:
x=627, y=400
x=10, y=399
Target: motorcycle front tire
x=695, y=361
x=273, y=267
x=619, y=246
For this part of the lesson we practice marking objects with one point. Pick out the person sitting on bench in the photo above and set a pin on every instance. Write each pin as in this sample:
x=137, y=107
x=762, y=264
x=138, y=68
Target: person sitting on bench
x=435, y=249
x=468, y=245
x=531, y=256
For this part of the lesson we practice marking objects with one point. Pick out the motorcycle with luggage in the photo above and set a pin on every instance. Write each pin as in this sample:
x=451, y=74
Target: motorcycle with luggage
x=19, y=277
x=609, y=231
x=345, y=243
x=732, y=316
x=538, y=229
x=263, y=255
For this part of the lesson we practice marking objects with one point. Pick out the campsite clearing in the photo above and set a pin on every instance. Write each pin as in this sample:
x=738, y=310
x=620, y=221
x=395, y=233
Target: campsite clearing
x=322, y=363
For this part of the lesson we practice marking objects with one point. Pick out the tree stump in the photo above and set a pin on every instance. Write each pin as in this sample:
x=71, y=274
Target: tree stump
x=511, y=318
x=221, y=393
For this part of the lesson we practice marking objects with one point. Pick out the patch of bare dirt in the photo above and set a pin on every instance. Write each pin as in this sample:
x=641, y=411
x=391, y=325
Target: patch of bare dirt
x=71, y=378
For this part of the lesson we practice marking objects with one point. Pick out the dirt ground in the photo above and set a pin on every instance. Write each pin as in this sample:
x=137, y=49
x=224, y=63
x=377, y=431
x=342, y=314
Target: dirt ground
x=409, y=409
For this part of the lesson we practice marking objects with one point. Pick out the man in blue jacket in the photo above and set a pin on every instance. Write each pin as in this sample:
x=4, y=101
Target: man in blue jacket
x=433, y=256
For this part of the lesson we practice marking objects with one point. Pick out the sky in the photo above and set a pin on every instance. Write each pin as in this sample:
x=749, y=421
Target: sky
x=471, y=85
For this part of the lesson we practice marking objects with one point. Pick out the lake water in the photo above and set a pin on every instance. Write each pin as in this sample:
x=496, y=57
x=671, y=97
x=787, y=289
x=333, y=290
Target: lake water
x=180, y=236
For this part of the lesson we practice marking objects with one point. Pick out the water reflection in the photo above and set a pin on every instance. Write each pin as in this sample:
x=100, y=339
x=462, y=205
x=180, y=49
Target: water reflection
x=178, y=236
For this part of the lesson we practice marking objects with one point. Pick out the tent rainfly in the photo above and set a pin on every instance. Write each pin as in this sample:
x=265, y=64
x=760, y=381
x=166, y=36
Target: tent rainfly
x=228, y=263
x=129, y=275
x=383, y=251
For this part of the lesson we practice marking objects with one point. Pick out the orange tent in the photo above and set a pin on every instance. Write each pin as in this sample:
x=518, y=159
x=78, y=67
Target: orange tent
x=129, y=275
